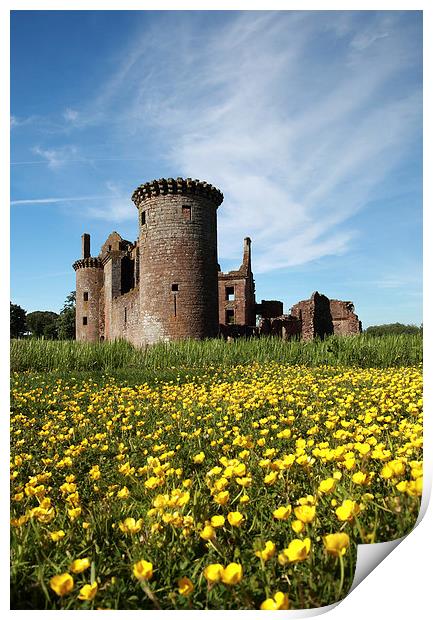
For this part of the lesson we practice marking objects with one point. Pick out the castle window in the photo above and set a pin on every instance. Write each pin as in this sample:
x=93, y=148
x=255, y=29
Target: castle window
x=109, y=248
x=230, y=293
x=175, y=288
x=230, y=317
x=86, y=296
x=143, y=217
x=84, y=320
x=186, y=212
x=125, y=314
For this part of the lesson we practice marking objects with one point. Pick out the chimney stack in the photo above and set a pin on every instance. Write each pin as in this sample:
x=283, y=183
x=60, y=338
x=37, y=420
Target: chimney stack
x=85, y=245
x=247, y=254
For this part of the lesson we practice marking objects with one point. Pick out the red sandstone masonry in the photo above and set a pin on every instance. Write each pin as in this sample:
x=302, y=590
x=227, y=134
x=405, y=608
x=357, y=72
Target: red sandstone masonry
x=242, y=305
x=89, y=278
x=178, y=259
x=167, y=286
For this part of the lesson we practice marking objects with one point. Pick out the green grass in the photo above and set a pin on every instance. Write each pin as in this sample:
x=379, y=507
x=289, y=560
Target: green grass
x=363, y=351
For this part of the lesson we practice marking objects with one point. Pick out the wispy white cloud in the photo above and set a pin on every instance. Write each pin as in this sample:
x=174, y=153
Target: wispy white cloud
x=55, y=157
x=70, y=115
x=117, y=206
x=55, y=200
x=297, y=116
x=298, y=138
x=18, y=121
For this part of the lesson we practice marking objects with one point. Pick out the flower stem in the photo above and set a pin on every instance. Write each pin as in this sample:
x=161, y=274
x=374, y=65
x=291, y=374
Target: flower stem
x=341, y=576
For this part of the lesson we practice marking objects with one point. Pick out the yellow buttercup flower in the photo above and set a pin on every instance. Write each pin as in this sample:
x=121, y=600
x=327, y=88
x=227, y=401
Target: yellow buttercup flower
x=337, y=544
x=143, y=570
x=305, y=513
x=232, y=574
x=62, y=584
x=123, y=493
x=222, y=498
x=88, y=592
x=279, y=601
x=282, y=513
x=199, y=458
x=130, y=525
x=360, y=477
x=347, y=510
x=235, y=518
x=268, y=552
x=207, y=533
x=271, y=477
x=185, y=585
x=213, y=573
x=217, y=521
x=298, y=526
x=56, y=536
x=78, y=566
x=298, y=550
x=74, y=513
x=327, y=486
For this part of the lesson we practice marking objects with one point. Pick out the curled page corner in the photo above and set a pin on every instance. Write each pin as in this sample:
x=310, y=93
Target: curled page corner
x=370, y=556
x=312, y=611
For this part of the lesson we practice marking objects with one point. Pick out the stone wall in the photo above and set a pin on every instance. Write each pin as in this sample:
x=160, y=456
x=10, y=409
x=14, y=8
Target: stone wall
x=269, y=309
x=285, y=326
x=236, y=293
x=315, y=316
x=125, y=318
x=344, y=319
x=321, y=316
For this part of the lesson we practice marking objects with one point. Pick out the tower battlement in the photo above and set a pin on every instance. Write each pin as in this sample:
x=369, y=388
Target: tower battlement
x=176, y=186
x=89, y=261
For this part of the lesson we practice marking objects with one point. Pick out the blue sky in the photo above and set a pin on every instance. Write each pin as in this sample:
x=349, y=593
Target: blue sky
x=309, y=122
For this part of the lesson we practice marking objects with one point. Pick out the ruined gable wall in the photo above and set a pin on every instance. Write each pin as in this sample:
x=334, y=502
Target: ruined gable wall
x=125, y=318
x=304, y=312
x=243, y=303
x=315, y=316
x=344, y=319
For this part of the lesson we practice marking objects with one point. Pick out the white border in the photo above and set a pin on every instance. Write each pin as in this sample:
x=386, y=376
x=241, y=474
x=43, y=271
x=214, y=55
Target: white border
x=399, y=586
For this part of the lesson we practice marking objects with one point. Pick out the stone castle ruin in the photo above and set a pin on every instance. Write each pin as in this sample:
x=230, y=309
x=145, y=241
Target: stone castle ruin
x=167, y=285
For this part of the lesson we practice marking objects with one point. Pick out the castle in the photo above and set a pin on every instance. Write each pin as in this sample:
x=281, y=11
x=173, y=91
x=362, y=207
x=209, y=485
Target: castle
x=167, y=285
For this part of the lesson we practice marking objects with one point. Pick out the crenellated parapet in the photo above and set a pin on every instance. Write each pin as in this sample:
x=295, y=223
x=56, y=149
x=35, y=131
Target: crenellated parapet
x=90, y=261
x=177, y=186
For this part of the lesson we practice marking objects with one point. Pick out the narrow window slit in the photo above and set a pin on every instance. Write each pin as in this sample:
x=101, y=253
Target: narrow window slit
x=186, y=212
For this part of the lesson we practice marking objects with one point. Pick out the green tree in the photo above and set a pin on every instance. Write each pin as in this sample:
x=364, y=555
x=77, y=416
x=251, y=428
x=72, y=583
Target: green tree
x=43, y=324
x=18, y=321
x=393, y=328
x=66, y=320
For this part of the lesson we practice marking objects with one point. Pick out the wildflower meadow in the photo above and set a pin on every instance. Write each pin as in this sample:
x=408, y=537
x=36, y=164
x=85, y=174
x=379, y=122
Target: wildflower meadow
x=208, y=486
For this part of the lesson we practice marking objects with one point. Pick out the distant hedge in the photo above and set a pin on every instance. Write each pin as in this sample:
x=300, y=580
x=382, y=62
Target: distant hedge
x=393, y=328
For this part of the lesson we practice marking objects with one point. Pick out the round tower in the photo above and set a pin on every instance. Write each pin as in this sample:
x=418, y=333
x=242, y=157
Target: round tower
x=178, y=258
x=89, y=280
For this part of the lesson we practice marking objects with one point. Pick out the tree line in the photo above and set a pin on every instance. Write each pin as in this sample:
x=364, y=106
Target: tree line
x=393, y=328
x=44, y=324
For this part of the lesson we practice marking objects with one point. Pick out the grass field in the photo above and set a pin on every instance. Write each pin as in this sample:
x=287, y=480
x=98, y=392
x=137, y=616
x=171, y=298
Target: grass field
x=208, y=475
x=363, y=351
